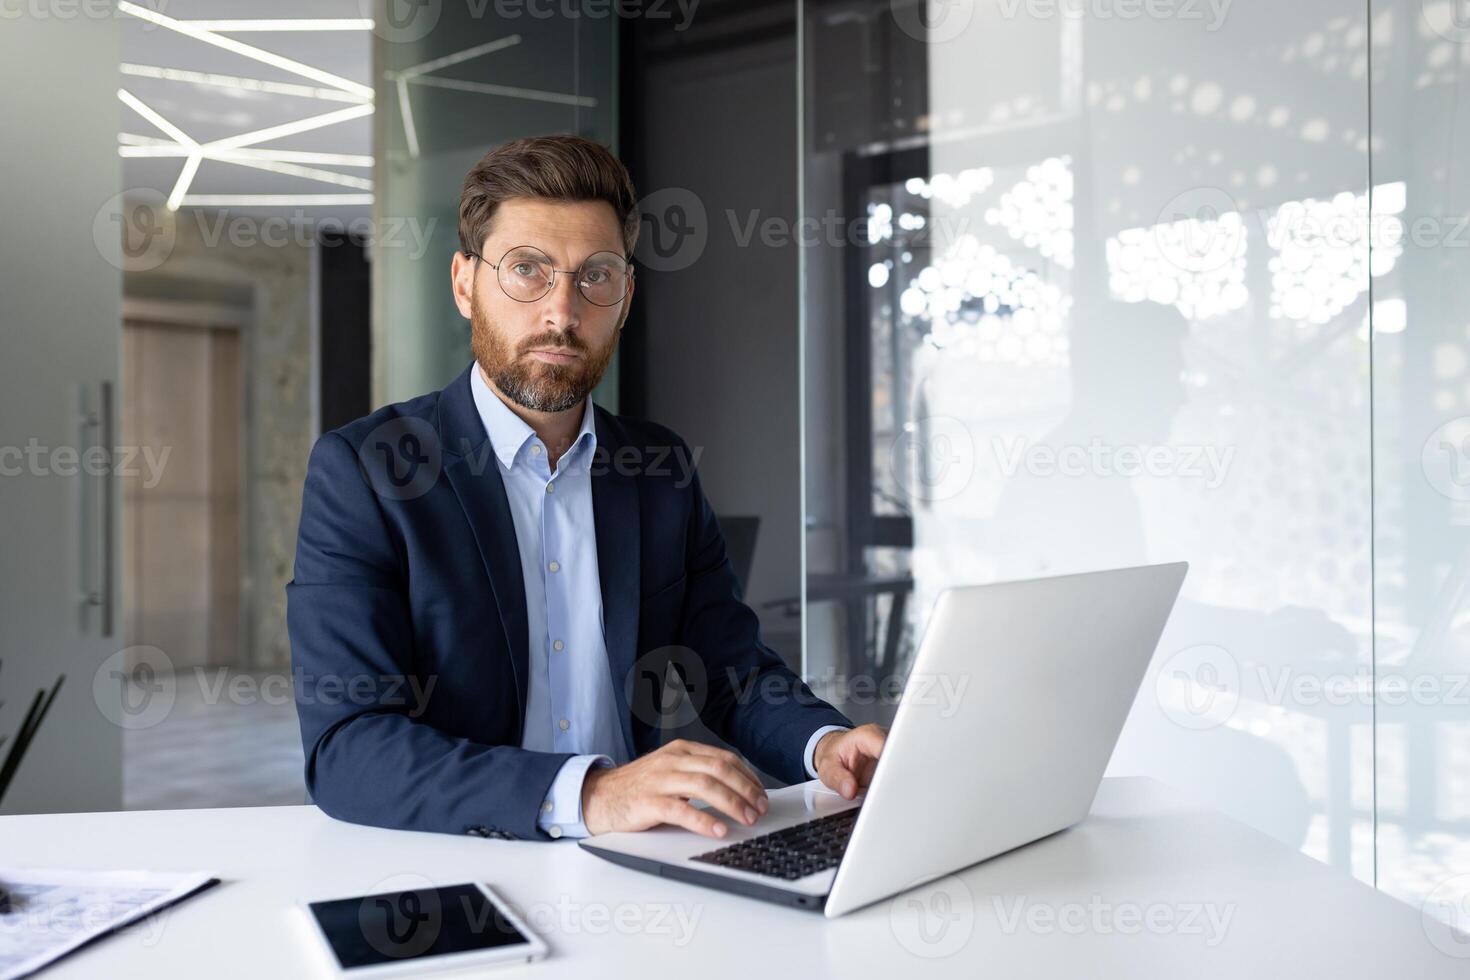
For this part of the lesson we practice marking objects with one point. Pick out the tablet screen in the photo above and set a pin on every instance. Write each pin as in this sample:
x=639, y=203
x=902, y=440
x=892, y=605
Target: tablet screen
x=397, y=927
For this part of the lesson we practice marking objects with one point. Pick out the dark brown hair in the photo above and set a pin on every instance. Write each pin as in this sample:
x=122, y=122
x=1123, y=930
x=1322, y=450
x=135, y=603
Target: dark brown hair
x=558, y=168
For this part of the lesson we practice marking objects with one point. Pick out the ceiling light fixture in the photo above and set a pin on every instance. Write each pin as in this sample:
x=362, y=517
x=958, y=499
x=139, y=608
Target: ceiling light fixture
x=275, y=200
x=295, y=170
x=186, y=177
x=509, y=91
x=247, y=50
x=290, y=24
x=291, y=128
x=134, y=145
x=240, y=84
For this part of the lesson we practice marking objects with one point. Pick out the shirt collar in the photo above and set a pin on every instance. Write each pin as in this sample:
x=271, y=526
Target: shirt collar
x=509, y=433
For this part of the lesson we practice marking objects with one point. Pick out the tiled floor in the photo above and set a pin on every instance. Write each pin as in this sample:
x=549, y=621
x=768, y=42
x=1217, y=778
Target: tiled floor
x=217, y=748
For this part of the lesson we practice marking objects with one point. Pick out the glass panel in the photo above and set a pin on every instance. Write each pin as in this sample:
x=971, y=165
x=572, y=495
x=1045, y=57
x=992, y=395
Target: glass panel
x=458, y=81
x=1421, y=407
x=1102, y=300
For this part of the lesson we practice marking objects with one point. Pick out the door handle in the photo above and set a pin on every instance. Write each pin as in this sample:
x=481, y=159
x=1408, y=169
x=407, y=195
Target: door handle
x=98, y=516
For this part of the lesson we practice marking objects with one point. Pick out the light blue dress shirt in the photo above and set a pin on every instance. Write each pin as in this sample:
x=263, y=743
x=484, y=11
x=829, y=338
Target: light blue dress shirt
x=570, y=704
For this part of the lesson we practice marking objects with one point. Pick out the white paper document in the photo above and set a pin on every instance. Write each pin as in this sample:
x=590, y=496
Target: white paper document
x=47, y=913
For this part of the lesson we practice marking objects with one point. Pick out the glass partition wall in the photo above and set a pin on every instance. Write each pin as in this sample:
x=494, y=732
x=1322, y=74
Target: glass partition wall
x=452, y=83
x=1421, y=445
x=1104, y=284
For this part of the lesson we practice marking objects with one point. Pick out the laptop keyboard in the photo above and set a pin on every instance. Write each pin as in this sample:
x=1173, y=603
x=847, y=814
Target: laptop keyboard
x=792, y=853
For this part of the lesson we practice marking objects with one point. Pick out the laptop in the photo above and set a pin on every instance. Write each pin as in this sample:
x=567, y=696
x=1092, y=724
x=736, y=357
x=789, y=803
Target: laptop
x=1016, y=698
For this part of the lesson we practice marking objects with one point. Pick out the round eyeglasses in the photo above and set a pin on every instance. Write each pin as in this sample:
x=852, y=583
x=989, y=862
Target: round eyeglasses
x=526, y=274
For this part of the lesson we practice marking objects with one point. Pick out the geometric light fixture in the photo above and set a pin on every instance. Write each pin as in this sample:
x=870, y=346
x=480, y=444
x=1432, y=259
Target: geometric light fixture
x=421, y=74
x=234, y=149
x=247, y=50
x=276, y=200
x=224, y=150
x=277, y=26
x=135, y=145
x=328, y=87
x=240, y=84
x=401, y=79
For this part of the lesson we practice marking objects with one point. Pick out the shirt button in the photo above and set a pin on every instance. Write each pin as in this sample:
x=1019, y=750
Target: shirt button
x=545, y=806
x=553, y=831
x=554, y=566
x=535, y=450
x=564, y=724
x=558, y=645
x=550, y=487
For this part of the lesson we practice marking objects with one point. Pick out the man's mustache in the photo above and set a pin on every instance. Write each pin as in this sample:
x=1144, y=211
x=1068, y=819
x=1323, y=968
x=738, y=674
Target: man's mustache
x=563, y=341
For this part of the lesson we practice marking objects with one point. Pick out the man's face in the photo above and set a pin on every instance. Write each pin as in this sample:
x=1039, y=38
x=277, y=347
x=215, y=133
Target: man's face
x=545, y=355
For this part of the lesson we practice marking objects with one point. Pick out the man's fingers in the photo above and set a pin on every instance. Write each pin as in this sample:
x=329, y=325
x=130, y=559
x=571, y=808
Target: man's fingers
x=838, y=777
x=681, y=814
x=691, y=750
x=713, y=792
x=732, y=774
x=710, y=751
x=865, y=741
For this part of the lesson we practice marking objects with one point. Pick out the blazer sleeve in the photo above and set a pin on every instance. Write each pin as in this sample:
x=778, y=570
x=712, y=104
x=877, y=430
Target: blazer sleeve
x=753, y=700
x=369, y=758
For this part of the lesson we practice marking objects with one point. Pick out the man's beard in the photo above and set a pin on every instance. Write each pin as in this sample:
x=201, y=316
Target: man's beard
x=534, y=384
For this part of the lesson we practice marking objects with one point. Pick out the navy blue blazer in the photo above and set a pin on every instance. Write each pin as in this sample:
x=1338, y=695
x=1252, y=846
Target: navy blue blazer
x=407, y=618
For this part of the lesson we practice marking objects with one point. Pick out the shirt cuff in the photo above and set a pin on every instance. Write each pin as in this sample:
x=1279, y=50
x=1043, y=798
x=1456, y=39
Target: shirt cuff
x=811, y=747
x=561, y=811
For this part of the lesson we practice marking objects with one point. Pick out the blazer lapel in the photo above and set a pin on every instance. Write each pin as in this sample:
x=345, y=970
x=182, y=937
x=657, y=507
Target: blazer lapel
x=472, y=470
x=616, y=515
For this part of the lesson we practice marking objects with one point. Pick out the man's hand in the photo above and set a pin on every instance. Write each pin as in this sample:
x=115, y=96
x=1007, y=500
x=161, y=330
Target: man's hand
x=656, y=789
x=845, y=760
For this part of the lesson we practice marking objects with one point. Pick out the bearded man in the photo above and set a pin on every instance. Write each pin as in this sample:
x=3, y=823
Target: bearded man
x=493, y=582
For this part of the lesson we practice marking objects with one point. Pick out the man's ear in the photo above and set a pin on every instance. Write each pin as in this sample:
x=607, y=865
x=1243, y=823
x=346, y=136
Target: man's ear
x=462, y=283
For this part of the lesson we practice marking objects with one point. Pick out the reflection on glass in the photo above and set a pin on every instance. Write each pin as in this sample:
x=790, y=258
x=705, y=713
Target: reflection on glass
x=1421, y=480
x=1112, y=306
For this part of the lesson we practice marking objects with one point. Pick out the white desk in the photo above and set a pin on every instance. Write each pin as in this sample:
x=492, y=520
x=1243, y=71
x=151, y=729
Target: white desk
x=1075, y=905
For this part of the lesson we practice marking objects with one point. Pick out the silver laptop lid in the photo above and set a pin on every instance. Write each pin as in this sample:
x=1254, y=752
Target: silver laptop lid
x=1010, y=713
